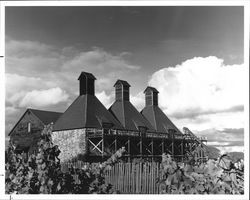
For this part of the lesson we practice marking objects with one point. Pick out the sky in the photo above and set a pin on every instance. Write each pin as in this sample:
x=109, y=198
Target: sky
x=192, y=55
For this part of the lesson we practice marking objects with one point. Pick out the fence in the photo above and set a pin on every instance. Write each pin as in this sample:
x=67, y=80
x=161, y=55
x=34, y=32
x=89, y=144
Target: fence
x=129, y=178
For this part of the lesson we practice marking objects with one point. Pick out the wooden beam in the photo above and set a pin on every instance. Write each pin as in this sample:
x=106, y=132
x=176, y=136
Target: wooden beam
x=103, y=143
x=129, y=145
x=182, y=153
x=172, y=147
x=152, y=146
x=115, y=143
x=129, y=149
x=95, y=146
x=141, y=146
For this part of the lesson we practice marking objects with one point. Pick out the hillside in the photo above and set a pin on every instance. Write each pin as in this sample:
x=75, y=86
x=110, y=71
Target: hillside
x=213, y=152
x=235, y=156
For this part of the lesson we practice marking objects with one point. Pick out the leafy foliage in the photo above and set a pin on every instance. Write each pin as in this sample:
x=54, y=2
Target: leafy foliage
x=41, y=173
x=213, y=177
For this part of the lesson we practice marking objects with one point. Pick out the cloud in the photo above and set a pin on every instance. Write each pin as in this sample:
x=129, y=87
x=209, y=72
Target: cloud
x=193, y=113
x=36, y=56
x=206, y=96
x=234, y=131
x=17, y=86
x=200, y=86
x=218, y=121
x=32, y=57
x=63, y=66
x=105, y=99
x=104, y=84
x=16, y=83
x=42, y=98
x=12, y=114
x=44, y=76
x=28, y=63
x=200, y=93
x=226, y=149
x=138, y=101
x=225, y=138
x=99, y=59
x=10, y=110
x=27, y=48
x=215, y=135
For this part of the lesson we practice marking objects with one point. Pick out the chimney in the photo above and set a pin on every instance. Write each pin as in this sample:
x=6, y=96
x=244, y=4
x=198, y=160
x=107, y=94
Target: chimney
x=121, y=90
x=86, y=83
x=151, y=96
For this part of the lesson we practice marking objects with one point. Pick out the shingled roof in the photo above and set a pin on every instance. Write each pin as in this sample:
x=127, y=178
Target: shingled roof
x=154, y=114
x=46, y=117
x=86, y=112
x=158, y=119
x=151, y=89
x=125, y=83
x=87, y=75
x=129, y=116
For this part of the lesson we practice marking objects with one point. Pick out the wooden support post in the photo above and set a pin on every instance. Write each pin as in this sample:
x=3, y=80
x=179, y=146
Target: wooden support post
x=141, y=147
x=129, y=145
x=182, y=153
x=162, y=146
x=172, y=147
x=115, y=144
x=152, y=147
x=102, y=144
x=129, y=149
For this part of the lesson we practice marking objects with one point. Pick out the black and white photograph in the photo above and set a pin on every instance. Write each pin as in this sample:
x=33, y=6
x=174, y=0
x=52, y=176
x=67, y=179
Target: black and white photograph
x=125, y=99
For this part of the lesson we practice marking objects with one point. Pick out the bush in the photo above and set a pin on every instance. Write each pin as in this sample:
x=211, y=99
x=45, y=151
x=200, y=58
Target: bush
x=41, y=173
x=213, y=177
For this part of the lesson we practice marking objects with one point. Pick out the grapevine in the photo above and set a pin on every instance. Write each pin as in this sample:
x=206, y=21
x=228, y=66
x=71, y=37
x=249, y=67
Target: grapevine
x=213, y=177
x=42, y=174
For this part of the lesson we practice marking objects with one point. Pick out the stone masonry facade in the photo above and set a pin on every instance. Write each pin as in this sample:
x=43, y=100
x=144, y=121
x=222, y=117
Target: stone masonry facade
x=72, y=143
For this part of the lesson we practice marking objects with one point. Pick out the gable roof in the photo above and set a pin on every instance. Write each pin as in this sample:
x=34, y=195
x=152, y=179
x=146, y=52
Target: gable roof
x=125, y=83
x=85, y=112
x=46, y=117
x=128, y=116
x=151, y=89
x=158, y=119
x=87, y=75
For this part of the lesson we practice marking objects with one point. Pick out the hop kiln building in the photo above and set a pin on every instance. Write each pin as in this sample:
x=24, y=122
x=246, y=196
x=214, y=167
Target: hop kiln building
x=89, y=131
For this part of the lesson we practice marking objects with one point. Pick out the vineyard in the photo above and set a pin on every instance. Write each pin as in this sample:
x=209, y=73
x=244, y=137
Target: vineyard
x=45, y=174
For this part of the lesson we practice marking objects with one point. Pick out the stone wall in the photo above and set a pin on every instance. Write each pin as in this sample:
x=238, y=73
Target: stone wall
x=72, y=143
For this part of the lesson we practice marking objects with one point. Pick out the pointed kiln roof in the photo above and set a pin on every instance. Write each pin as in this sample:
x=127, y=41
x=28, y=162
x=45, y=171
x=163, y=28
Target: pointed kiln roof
x=128, y=116
x=158, y=119
x=86, y=112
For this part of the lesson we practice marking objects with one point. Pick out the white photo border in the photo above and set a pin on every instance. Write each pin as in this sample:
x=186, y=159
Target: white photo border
x=4, y=4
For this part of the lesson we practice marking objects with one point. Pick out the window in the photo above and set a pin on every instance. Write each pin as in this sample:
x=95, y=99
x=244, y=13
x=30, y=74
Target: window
x=29, y=127
x=142, y=131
